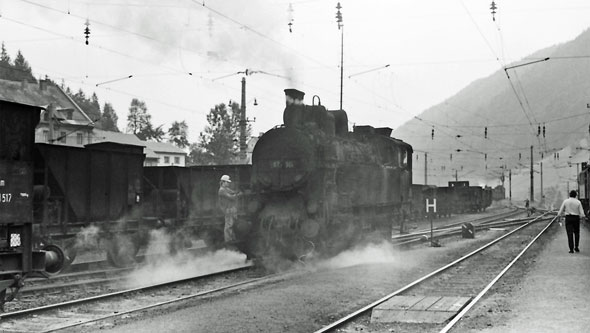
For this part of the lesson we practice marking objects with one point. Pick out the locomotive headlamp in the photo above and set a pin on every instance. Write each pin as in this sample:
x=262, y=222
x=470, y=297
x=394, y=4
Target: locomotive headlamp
x=2, y=182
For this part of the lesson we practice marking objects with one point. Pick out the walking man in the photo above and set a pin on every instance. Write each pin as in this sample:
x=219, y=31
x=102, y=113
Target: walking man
x=572, y=208
x=228, y=202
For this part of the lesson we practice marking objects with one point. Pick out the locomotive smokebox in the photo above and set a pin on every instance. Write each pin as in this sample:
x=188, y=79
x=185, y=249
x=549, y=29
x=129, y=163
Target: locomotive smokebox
x=294, y=96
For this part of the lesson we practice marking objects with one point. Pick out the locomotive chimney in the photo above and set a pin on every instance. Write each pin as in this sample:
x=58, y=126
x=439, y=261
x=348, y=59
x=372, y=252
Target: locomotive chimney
x=294, y=97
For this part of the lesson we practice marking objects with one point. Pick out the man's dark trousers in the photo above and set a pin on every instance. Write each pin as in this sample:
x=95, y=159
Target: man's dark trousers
x=572, y=228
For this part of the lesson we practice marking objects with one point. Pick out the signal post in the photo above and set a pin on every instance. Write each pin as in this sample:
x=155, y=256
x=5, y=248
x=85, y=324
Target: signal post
x=431, y=210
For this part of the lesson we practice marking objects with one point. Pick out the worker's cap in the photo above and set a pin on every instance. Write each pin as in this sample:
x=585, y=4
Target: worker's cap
x=225, y=178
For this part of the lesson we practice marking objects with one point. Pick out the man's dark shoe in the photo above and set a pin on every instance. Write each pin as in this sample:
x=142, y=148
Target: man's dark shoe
x=571, y=251
x=577, y=250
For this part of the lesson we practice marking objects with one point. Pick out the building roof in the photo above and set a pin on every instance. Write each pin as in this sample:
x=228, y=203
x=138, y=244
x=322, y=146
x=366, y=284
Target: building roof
x=150, y=154
x=151, y=148
x=163, y=147
x=41, y=95
x=99, y=135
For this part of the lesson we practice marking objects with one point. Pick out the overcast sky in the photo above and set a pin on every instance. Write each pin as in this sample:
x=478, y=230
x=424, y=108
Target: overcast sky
x=184, y=55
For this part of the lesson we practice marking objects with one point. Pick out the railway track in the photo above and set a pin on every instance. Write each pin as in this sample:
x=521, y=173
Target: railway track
x=101, y=279
x=424, y=235
x=73, y=313
x=464, y=281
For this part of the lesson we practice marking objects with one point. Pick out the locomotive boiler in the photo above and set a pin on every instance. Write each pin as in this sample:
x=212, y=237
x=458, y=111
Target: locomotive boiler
x=322, y=187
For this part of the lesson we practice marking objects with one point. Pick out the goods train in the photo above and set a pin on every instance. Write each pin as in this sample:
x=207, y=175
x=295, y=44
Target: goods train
x=18, y=258
x=456, y=198
x=312, y=185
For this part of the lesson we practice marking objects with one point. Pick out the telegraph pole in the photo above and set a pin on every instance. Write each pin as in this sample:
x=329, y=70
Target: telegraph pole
x=510, y=184
x=532, y=177
x=577, y=173
x=243, y=145
x=341, y=28
x=542, y=198
x=50, y=114
x=425, y=168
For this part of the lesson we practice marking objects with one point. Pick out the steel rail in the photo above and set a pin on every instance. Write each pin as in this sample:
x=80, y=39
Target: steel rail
x=468, y=307
x=114, y=294
x=112, y=315
x=420, y=280
x=456, y=224
x=58, y=286
x=439, y=234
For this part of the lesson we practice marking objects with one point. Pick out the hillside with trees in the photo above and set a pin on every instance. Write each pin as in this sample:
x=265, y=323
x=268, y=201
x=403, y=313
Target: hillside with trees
x=490, y=126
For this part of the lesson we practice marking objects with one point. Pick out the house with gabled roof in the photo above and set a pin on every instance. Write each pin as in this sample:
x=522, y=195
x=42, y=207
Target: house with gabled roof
x=163, y=154
x=62, y=120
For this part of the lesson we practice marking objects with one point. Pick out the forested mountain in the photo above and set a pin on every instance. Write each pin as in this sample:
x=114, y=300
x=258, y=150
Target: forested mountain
x=542, y=104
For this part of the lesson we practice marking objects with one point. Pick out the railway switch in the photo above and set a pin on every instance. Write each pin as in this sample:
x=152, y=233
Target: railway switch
x=467, y=230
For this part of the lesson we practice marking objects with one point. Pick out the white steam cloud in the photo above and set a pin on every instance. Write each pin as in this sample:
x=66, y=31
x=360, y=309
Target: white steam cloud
x=161, y=266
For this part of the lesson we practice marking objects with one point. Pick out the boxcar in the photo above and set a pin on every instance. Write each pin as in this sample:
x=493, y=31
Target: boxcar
x=18, y=259
x=100, y=183
x=188, y=196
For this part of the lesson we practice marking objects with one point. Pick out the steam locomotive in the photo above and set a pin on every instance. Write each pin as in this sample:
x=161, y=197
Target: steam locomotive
x=319, y=186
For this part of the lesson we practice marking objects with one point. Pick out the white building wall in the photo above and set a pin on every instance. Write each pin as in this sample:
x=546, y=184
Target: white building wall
x=168, y=159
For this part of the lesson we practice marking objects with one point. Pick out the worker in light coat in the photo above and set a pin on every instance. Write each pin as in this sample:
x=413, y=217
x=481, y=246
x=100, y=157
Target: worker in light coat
x=228, y=202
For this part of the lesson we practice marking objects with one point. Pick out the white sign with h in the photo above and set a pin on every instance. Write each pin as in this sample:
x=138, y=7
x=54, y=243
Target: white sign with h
x=430, y=205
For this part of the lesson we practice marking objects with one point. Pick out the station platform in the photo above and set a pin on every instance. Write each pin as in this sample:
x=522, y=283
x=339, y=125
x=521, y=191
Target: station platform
x=554, y=295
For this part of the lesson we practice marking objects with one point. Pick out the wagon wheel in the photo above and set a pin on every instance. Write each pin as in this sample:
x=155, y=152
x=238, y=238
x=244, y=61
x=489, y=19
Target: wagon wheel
x=70, y=252
x=179, y=242
x=121, y=251
x=213, y=238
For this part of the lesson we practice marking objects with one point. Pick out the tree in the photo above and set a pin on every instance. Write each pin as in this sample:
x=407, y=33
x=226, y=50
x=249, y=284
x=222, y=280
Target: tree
x=4, y=57
x=90, y=106
x=22, y=70
x=138, y=117
x=198, y=156
x=108, y=121
x=17, y=71
x=5, y=64
x=152, y=133
x=178, y=133
x=219, y=142
x=139, y=122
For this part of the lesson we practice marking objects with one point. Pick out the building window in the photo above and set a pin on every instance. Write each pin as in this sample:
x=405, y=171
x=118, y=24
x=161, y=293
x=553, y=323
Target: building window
x=176, y=160
x=46, y=135
x=69, y=114
x=79, y=138
x=45, y=115
x=62, y=137
x=166, y=159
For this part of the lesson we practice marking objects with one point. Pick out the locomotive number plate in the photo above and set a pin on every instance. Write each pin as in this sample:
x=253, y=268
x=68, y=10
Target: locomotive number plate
x=5, y=197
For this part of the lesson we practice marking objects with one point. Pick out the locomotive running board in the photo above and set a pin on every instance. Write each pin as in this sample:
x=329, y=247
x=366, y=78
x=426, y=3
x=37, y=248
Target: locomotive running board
x=418, y=309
